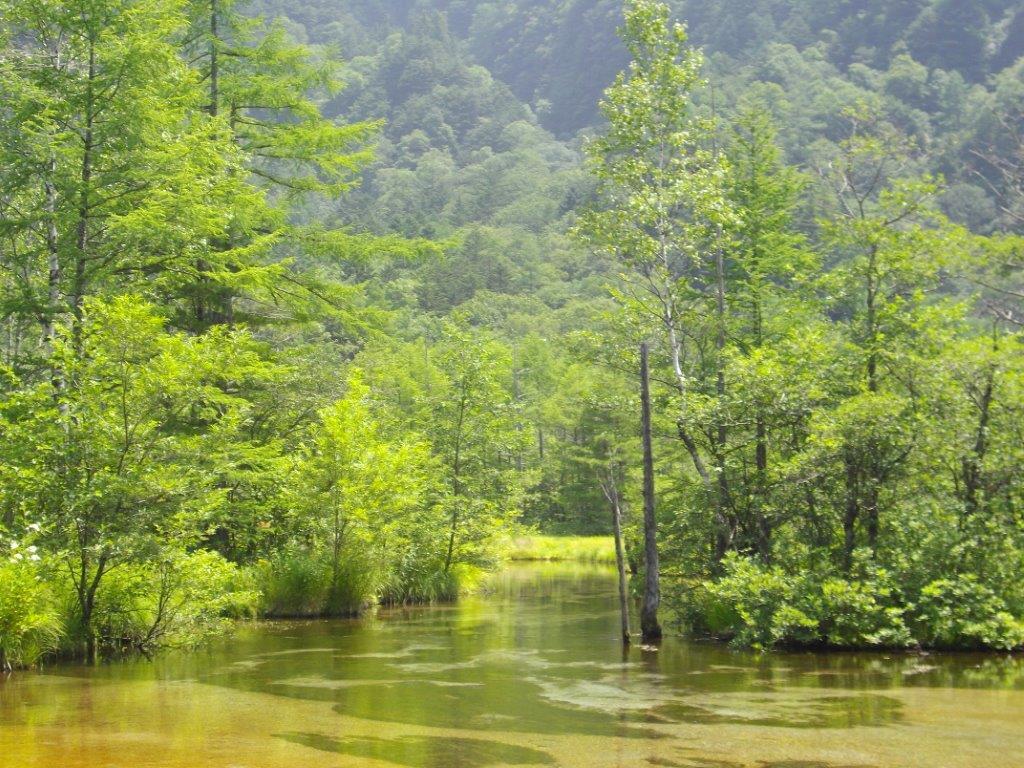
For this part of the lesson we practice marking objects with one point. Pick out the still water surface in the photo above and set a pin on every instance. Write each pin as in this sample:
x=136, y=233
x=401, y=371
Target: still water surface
x=529, y=674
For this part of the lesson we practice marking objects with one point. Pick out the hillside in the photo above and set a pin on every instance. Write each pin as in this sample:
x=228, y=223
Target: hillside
x=942, y=71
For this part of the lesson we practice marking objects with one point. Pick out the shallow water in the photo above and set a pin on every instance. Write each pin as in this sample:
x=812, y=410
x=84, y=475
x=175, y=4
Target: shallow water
x=529, y=674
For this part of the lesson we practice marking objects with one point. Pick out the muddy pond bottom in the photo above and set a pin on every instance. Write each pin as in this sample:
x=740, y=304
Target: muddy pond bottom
x=528, y=674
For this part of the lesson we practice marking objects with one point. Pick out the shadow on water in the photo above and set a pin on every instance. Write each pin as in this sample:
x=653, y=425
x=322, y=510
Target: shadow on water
x=703, y=762
x=823, y=712
x=537, y=655
x=425, y=751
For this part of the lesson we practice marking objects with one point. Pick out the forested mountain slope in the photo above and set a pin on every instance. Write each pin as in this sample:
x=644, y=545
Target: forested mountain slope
x=564, y=52
x=945, y=72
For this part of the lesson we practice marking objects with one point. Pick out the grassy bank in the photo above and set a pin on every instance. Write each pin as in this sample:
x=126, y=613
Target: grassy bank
x=575, y=549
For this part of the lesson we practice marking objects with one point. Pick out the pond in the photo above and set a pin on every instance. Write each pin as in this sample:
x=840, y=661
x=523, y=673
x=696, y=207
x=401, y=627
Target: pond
x=528, y=673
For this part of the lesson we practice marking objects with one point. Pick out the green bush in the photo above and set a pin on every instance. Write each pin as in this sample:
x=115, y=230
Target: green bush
x=30, y=626
x=180, y=600
x=300, y=583
x=354, y=588
x=856, y=613
x=425, y=581
x=703, y=611
x=761, y=607
x=763, y=603
x=963, y=613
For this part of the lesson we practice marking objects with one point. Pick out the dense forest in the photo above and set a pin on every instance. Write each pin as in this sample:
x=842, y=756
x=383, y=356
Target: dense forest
x=308, y=307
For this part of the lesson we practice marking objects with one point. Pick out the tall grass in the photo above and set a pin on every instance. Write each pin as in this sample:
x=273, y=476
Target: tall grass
x=302, y=584
x=575, y=549
x=30, y=625
x=419, y=583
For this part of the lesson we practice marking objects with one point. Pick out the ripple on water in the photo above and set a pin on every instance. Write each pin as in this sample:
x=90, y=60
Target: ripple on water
x=335, y=684
x=424, y=750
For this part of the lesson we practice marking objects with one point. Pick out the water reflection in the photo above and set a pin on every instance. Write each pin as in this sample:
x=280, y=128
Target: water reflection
x=529, y=673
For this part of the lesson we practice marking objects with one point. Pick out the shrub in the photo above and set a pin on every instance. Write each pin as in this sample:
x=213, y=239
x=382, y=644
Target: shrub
x=416, y=580
x=961, y=612
x=181, y=600
x=858, y=613
x=703, y=611
x=292, y=585
x=763, y=605
x=354, y=587
x=29, y=622
x=301, y=583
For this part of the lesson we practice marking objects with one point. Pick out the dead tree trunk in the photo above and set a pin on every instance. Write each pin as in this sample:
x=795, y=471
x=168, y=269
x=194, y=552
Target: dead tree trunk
x=649, y=626
x=610, y=486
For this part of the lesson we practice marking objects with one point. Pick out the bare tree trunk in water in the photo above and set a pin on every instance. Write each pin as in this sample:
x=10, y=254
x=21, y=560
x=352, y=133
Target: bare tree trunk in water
x=649, y=626
x=610, y=487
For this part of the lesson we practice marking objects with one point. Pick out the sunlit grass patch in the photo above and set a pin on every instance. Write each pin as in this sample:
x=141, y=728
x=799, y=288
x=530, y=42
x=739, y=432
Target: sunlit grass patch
x=576, y=549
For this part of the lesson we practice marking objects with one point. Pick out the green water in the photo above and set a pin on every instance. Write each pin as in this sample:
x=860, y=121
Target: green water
x=530, y=673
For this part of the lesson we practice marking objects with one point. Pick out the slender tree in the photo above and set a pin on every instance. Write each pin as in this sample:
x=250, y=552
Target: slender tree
x=610, y=479
x=266, y=92
x=890, y=234
x=649, y=625
x=770, y=288
x=112, y=178
x=662, y=211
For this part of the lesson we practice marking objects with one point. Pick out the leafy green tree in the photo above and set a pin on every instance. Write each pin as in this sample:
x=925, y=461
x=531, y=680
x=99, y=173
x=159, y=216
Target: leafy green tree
x=474, y=434
x=110, y=180
x=664, y=208
x=891, y=237
x=114, y=463
x=364, y=492
x=265, y=92
x=769, y=288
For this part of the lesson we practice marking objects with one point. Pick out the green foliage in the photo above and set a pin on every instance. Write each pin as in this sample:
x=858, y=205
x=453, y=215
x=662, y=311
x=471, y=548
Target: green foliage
x=476, y=437
x=859, y=613
x=177, y=600
x=764, y=607
x=293, y=584
x=962, y=612
x=840, y=457
x=364, y=492
x=225, y=369
x=301, y=583
x=426, y=582
x=30, y=624
x=764, y=604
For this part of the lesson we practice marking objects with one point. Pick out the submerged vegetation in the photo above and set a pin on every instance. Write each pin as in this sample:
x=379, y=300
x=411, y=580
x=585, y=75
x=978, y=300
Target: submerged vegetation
x=289, y=336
